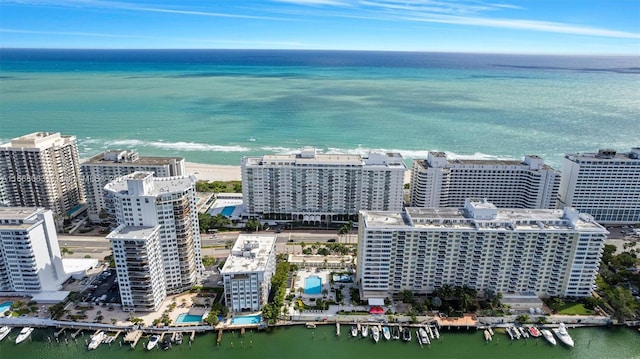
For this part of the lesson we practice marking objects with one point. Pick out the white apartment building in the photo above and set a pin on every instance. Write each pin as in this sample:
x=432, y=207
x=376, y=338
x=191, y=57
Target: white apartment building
x=109, y=165
x=142, y=200
x=549, y=252
x=138, y=257
x=321, y=188
x=247, y=272
x=441, y=182
x=41, y=169
x=605, y=184
x=30, y=260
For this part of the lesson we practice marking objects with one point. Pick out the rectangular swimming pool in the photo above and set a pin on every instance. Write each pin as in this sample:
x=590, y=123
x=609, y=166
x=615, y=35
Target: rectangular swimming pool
x=228, y=211
x=246, y=319
x=188, y=318
x=313, y=285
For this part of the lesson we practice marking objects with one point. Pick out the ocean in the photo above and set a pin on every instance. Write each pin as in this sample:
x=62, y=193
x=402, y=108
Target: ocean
x=215, y=106
x=321, y=343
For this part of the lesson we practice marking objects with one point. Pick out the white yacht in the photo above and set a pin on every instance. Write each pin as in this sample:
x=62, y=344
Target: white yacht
x=563, y=335
x=375, y=333
x=423, y=336
x=4, y=331
x=365, y=331
x=354, y=331
x=548, y=336
x=24, y=334
x=96, y=340
x=153, y=342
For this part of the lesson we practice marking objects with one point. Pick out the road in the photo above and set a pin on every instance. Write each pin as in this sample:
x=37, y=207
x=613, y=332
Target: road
x=99, y=246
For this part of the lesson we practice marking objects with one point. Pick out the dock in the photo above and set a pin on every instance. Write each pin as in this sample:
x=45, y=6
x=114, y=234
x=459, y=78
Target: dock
x=76, y=333
x=242, y=331
x=56, y=334
x=193, y=336
x=219, y=335
x=132, y=337
x=337, y=329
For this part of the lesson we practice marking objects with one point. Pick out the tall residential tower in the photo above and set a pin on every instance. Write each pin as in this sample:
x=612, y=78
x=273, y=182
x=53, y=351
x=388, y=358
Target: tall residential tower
x=604, y=184
x=440, y=182
x=41, y=169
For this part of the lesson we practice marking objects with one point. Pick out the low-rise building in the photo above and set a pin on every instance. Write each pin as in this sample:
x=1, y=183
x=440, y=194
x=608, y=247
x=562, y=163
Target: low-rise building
x=247, y=272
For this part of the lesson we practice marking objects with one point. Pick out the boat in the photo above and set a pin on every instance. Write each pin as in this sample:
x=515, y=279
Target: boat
x=375, y=333
x=96, y=340
x=365, y=331
x=437, y=332
x=24, y=334
x=509, y=333
x=177, y=338
x=563, y=335
x=406, y=334
x=354, y=331
x=534, y=332
x=153, y=342
x=515, y=332
x=548, y=336
x=386, y=333
x=166, y=343
x=4, y=331
x=395, y=333
x=524, y=332
x=423, y=336
x=487, y=335
x=310, y=325
x=430, y=332
x=490, y=331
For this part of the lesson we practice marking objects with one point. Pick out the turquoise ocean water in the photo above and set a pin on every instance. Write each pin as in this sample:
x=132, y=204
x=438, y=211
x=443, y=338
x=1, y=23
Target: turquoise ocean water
x=215, y=106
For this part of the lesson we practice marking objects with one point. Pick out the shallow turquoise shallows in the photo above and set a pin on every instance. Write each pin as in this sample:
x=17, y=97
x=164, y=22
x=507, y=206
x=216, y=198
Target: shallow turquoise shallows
x=188, y=318
x=312, y=285
x=246, y=319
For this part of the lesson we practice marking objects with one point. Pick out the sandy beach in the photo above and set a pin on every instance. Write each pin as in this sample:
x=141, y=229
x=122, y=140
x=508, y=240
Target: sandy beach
x=206, y=172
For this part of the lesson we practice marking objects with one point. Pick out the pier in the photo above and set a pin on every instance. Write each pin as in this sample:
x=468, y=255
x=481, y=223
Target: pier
x=132, y=337
x=337, y=329
x=76, y=333
x=219, y=336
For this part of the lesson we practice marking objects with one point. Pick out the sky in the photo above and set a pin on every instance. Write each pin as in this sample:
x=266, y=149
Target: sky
x=491, y=26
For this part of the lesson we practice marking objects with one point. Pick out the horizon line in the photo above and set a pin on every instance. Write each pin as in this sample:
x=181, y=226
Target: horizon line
x=320, y=49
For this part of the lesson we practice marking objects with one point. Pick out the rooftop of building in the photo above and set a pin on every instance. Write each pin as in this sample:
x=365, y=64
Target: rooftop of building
x=132, y=232
x=310, y=156
x=17, y=213
x=489, y=162
x=606, y=155
x=566, y=219
x=158, y=185
x=128, y=158
x=250, y=253
x=38, y=140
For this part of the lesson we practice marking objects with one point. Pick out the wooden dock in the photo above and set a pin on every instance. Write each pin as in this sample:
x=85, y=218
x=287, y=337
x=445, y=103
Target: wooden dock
x=132, y=337
x=56, y=334
x=76, y=333
x=193, y=336
x=219, y=335
x=242, y=331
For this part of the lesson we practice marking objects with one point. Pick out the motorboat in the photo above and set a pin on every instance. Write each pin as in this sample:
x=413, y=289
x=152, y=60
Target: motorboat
x=487, y=335
x=406, y=334
x=534, y=332
x=365, y=331
x=546, y=333
x=375, y=333
x=395, y=333
x=437, y=332
x=509, y=333
x=386, y=333
x=516, y=332
x=489, y=329
x=354, y=331
x=563, y=335
x=96, y=340
x=177, y=338
x=24, y=334
x=311, y=325
x=429, y=332
x=423, y=336
x=153, y=341
x=4, y=331
x=524, y=332
x=166, y=343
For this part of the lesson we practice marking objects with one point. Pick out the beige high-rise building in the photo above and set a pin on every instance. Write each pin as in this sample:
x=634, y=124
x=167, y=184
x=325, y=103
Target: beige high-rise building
x=41, y=169
x=109, y=165
x=159, y=209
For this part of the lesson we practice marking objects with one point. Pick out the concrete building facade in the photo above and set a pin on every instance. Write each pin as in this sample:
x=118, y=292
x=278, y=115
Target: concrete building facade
x=247, y=272
x=441, y=182
x=109, y=165
x=549, y=252
x=140, y=200
x=604, y=184
x=41, y=169
x=138, y=257
x=321, y=188
x=30, y=258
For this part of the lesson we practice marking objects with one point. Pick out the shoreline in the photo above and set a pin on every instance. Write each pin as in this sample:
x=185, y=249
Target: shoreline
x=209, y=172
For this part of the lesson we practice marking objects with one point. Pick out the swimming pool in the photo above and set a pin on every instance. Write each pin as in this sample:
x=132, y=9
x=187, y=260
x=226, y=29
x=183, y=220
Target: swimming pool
x=188, y=318
x=4, y=307
x=247, y=319
x=228, y=211
x=313, y=285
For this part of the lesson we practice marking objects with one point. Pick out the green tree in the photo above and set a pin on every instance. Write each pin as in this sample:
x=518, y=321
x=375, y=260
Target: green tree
x=252, y=225
x=407, y=296
x=623, y=302
x=65, y=251
x=523, y=319
x=556, y=304
x=436, y=302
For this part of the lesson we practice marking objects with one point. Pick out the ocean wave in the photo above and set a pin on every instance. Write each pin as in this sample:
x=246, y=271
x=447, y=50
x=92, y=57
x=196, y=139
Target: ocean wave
x=176, y=146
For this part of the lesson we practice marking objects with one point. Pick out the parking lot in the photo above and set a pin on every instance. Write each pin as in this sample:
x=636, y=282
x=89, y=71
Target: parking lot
x=103, y=288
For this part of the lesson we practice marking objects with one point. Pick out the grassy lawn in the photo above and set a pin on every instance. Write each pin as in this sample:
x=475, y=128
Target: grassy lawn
x=575, y=309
